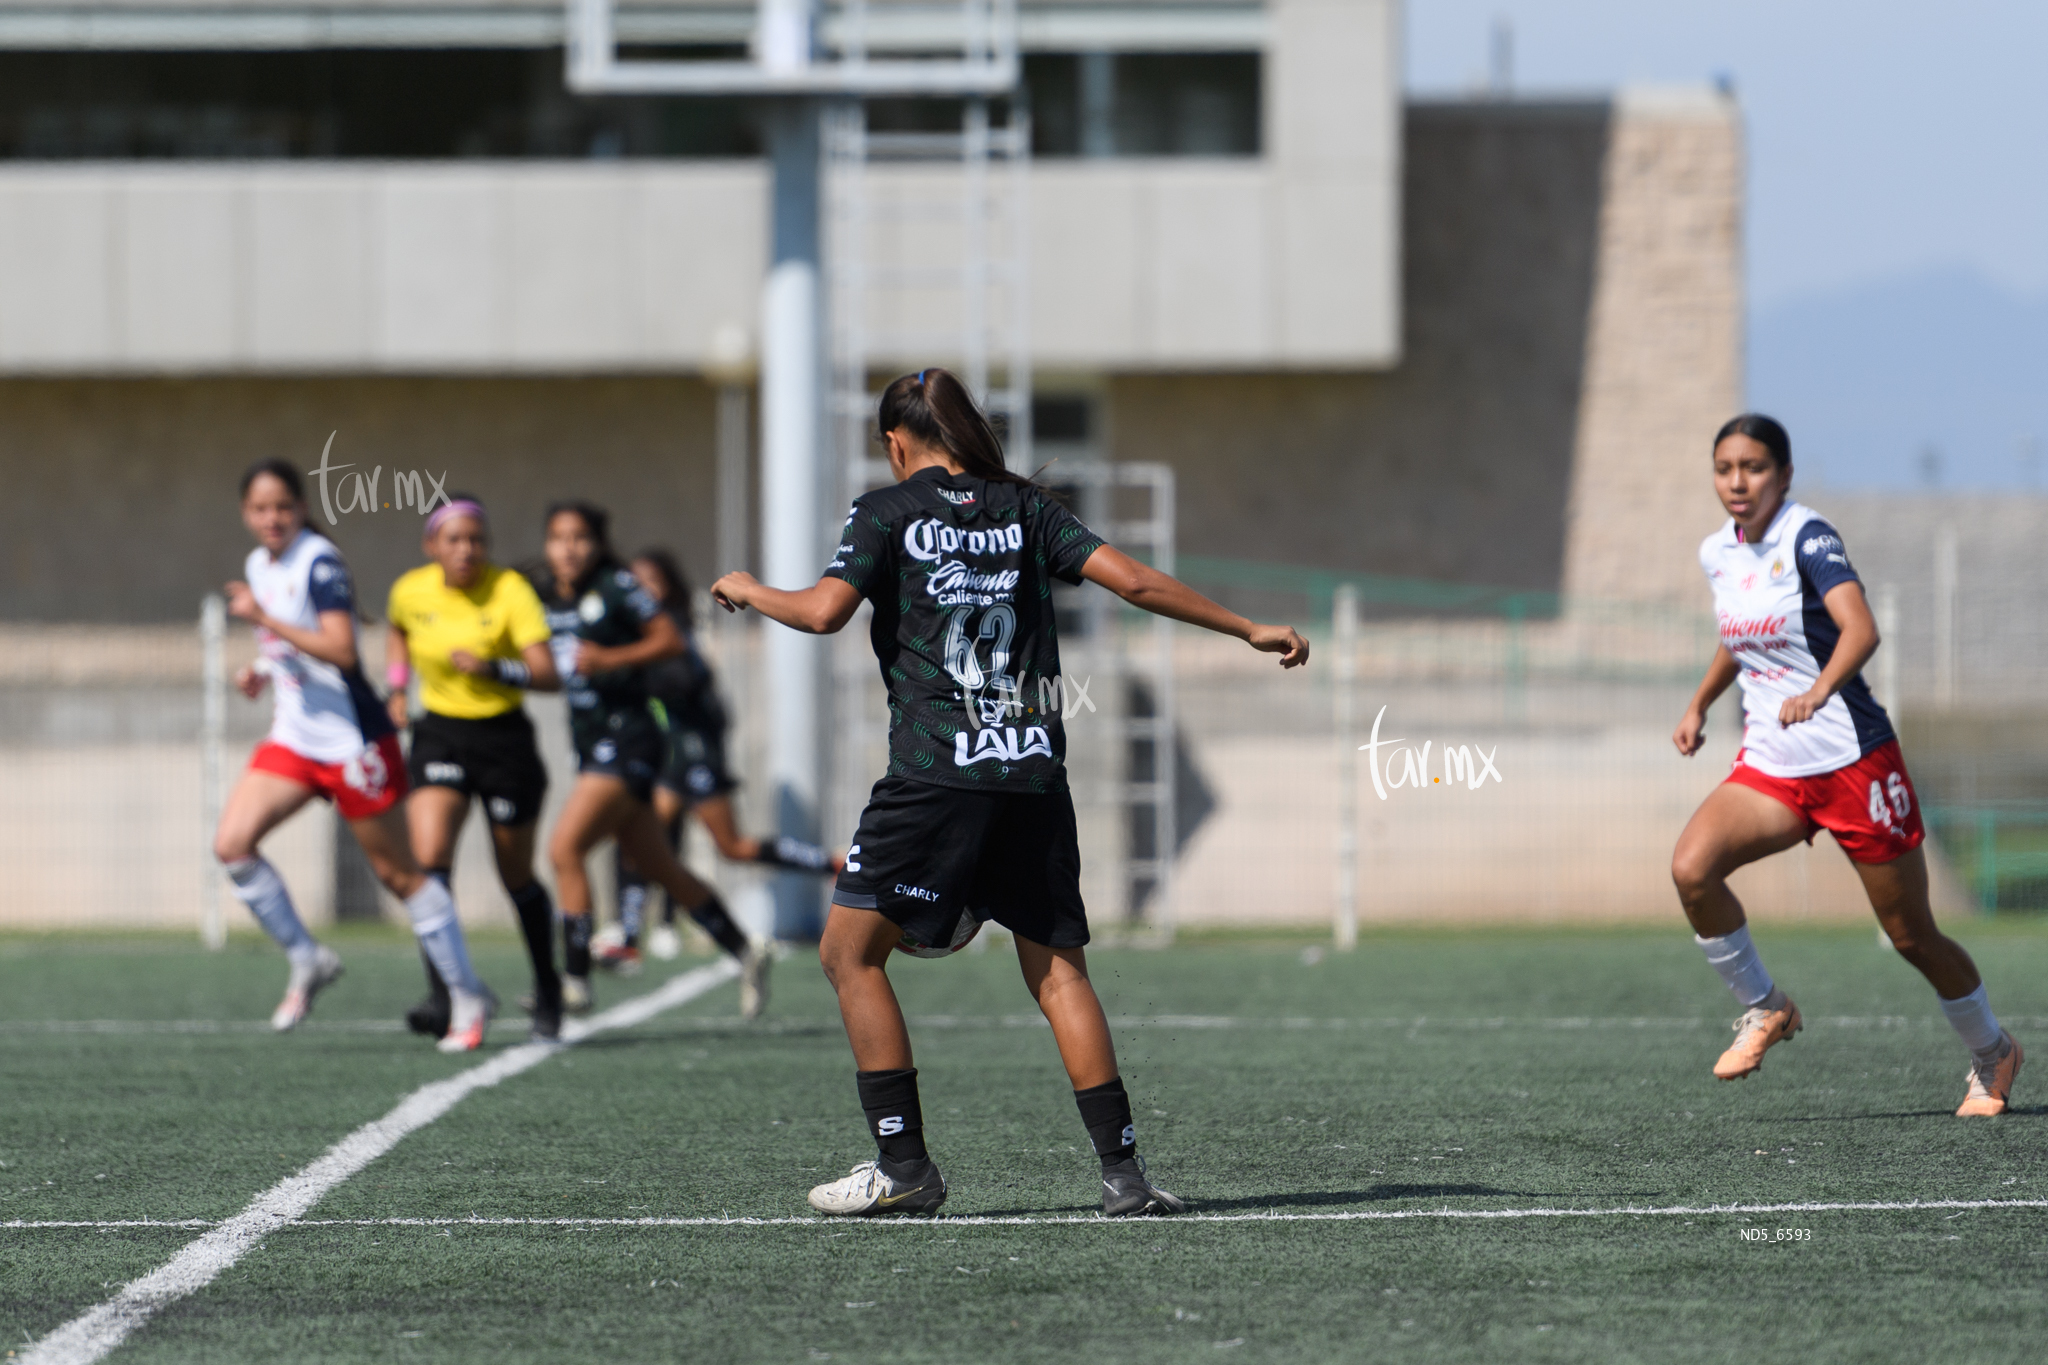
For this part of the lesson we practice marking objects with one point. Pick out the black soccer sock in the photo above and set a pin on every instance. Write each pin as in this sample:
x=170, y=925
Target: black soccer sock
x=537, y=926
x=712, y=916
x=436, y=987
x=576, y=931
x=1106, y=1110
x=673, y=829
x=795, y=854
x=889, y=1099
x=632, y=897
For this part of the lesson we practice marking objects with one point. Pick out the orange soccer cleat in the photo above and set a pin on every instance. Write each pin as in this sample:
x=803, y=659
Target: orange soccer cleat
x=1755, y=1032
x=1991, y=1083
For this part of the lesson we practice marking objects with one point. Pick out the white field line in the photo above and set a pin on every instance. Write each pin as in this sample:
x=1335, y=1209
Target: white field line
x=1017, y=1021
x=94, y=1333
x=1058, y=1220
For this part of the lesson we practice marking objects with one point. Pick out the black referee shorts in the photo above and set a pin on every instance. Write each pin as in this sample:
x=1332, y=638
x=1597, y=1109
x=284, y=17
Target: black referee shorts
x=495, y=759
x=923, y=854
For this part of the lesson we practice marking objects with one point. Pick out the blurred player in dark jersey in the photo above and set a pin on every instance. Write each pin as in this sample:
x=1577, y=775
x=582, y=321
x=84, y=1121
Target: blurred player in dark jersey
x=974, y=820
x=1818, y=752
x=607, y=630
x=695, y=779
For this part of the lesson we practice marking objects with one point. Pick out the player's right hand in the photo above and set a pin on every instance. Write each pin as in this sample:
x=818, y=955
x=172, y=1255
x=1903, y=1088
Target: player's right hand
x=395, y=705
x=1690, y=734
x=249, y=680
x=1281, y=640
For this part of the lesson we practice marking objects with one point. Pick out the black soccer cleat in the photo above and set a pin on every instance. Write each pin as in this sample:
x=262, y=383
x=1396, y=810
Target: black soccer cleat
x=429, y=1017
x=1126, y=1193
x=547, y=1024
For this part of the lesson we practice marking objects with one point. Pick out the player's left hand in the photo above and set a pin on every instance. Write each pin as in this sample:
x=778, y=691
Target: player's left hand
x=730, y=591
x=465, y=662
x=1282, y=640
x=1802, y=707
x=242, y=604
x=591, y=659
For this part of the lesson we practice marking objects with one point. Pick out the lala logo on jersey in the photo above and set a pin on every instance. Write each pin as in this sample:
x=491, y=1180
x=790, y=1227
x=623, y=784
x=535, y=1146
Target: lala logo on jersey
x=1001, y=744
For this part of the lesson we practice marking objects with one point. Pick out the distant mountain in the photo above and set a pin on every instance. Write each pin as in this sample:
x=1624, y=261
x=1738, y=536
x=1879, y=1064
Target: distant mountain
x=1870, y=378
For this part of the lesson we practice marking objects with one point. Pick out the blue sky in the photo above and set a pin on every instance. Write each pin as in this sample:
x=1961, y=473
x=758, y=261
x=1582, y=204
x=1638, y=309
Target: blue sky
x=1898, y=159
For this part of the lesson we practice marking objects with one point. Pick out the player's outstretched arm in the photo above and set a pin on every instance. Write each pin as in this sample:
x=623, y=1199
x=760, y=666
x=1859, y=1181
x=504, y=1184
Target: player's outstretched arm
x=1692, y=727
x=821, y=609
x=1143, y=586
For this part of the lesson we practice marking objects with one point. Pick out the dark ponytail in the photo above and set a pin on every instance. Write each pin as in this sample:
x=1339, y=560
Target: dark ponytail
x=1767, y=432
x=936, y=408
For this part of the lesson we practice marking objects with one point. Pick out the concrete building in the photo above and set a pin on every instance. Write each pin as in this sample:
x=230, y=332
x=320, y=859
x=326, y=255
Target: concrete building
x=1477, y=343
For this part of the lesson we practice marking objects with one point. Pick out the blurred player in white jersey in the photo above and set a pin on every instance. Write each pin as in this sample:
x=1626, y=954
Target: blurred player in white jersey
x=1818, y=752
x=330, y=738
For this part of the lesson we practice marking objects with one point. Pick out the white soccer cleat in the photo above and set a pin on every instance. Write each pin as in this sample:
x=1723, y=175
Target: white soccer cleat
x=468, y=1017
x=754, y=965
x=867, y=1193
x=575, y=994
x=664, y=944
x=305, y=983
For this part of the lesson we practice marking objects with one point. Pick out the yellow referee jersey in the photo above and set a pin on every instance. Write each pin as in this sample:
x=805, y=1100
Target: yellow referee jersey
x=496, y=618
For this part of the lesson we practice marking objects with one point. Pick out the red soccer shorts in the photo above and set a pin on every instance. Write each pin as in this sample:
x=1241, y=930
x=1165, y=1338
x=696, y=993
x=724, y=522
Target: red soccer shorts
x=1869, y=806
x=364, y=787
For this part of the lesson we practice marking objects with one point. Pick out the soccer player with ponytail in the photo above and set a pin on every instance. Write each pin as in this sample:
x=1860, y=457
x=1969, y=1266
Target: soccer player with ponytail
x=478, y=638
x=1818, y=752
x=695, y=778
x=330, y=738
x=607, y=630
x=974, y=820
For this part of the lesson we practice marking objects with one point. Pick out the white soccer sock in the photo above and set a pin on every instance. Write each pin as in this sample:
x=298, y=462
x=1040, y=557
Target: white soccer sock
x=258, y=886
x=1735, y=958
x=1973, y=1019
x=440, y=934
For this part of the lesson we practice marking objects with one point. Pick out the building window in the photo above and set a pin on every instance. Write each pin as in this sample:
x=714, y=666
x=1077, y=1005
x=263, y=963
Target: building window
x=425, y=104
x=1099, y=104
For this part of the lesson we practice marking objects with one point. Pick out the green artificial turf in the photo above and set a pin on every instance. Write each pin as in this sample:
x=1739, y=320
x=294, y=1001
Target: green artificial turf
x=1496, y=1070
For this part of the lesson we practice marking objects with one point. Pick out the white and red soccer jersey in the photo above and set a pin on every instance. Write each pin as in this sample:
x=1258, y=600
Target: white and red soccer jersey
x=323, y=712
x=1768, y=600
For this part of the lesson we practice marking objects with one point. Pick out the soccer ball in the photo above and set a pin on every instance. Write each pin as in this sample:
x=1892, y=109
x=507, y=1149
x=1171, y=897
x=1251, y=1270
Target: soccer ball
x=963, y=934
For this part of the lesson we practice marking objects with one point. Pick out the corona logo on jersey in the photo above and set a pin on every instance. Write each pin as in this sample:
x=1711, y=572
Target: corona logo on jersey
x=1467, y=763
x=926, y=539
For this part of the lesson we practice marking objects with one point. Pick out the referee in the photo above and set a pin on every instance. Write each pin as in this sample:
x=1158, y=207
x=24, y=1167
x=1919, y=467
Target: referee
x=477, y=636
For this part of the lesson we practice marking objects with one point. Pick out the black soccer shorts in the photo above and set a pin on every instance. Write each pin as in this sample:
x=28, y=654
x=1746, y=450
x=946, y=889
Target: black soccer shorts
x=696, y=768
x=923, y=854
x=494, y=759
x=625, y=744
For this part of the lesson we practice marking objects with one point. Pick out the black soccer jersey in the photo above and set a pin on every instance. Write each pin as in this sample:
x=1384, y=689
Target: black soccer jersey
x=685, y=687
x=612, y=610
x=960, y=574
